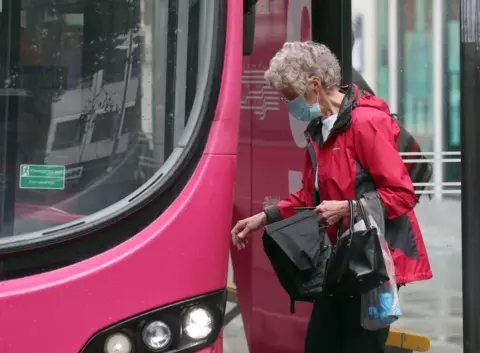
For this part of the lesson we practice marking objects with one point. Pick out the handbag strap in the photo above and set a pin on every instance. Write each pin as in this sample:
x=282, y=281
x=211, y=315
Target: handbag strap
x=352, y=220
x=352, y=215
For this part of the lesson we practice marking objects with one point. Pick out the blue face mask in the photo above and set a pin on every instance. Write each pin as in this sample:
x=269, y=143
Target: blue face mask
x=300, y=110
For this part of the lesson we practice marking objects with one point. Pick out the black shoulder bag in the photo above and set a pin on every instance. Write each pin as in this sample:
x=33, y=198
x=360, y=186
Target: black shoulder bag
x=356, y=264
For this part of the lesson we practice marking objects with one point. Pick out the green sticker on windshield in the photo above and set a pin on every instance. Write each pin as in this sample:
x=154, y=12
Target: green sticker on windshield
x=50, y=177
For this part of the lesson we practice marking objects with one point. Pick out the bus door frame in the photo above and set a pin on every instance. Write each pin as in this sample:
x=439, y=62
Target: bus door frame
x=332, y=26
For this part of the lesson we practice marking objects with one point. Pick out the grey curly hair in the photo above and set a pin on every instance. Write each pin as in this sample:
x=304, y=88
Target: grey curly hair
x=296, y=62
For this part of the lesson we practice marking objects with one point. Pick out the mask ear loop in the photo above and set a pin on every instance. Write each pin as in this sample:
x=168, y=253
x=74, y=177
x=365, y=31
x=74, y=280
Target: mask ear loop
x=311, y=78
x=318, y=102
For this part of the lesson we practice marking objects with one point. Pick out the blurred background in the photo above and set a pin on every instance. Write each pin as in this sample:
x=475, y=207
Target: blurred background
x=406, y=29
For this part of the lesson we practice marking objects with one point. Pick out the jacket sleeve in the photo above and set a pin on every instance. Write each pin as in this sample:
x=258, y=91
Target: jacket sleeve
x=285, y=208
x=376, y=149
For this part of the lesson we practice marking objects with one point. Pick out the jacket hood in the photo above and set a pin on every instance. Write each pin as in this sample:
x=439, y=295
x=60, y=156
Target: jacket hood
x=367, y=100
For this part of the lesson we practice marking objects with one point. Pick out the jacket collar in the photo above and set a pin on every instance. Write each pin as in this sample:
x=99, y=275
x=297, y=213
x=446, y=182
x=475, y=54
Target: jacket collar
x=314, y=128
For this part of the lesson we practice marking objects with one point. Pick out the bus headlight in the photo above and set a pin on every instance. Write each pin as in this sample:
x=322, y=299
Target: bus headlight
x=186, y=326
x=198, y=323
x=157, y=336
x=118, y=343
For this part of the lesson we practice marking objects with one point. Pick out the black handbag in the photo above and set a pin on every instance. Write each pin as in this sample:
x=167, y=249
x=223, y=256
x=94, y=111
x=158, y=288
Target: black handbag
x=356, y=264
x=298, y=251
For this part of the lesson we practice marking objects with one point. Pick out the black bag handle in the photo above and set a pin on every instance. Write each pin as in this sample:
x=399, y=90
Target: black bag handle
x=352, y=215
x=352, y=220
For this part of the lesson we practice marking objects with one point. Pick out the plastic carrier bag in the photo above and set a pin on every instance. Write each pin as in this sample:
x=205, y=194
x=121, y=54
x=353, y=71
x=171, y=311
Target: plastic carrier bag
x=380, y=307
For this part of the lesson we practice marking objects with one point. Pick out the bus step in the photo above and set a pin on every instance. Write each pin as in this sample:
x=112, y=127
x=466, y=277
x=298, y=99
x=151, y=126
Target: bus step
x=397, y=342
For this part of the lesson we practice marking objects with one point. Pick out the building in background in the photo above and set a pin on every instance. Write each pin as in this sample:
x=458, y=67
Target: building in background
x=365, y=26
x=420, y=39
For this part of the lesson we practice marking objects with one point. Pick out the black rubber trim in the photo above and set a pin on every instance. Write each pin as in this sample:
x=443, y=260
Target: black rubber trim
x=89, y=239
x=169, y=143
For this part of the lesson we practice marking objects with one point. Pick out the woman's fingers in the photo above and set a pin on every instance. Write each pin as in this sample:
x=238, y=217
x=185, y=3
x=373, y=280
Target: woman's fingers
x=239, y=227
x=243, y=234
x=239, y=234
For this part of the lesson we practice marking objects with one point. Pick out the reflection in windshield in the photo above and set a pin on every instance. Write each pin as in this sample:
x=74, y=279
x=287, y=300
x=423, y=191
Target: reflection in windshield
x=79, y=93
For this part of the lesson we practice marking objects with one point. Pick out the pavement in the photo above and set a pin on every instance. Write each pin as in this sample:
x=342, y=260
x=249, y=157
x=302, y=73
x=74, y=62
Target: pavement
x=432, y=308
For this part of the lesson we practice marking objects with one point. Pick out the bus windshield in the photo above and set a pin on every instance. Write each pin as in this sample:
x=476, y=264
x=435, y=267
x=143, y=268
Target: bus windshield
x=96, y=96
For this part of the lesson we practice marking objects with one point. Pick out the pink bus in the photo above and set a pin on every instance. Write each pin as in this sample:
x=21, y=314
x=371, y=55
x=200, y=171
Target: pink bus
x=120, y=139
x=130, y=128
x=129, y=124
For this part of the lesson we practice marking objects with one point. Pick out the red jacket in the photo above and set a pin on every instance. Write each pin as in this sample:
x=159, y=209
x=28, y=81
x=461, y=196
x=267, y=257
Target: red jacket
x=360, y=159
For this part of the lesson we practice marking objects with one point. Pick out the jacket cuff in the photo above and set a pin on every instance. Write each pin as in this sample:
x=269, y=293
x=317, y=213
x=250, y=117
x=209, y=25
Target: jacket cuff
x=273, y=214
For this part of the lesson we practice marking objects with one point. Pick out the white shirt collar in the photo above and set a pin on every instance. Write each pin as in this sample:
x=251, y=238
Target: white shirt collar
x=327, y=125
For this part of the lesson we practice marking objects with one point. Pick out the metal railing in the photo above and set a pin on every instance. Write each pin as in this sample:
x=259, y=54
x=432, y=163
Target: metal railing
x=434, y=187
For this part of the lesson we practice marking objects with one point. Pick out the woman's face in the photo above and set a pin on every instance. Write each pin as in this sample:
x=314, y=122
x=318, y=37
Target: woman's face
x=328, y=101
x=312, y=95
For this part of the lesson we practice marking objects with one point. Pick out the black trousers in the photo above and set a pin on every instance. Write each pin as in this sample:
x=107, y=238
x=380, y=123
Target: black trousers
x=334, y=327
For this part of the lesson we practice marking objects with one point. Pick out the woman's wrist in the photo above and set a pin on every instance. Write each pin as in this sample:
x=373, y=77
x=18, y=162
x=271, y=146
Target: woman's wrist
x=345, y=209
x=264, y=217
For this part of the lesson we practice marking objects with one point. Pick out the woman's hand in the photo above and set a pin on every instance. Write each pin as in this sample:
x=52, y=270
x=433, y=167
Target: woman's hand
x=331, y=212
x=245, y=226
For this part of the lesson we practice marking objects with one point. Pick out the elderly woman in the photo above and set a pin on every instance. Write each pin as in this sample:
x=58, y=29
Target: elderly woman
x=352, y=144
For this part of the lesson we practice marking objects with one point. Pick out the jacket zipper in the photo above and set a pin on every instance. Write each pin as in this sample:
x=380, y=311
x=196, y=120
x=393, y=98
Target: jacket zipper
x=313, y=160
